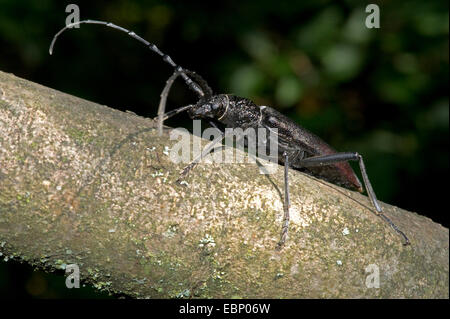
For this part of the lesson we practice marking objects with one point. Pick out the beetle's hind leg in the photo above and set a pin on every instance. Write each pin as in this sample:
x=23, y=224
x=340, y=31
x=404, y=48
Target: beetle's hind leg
x=344, y=157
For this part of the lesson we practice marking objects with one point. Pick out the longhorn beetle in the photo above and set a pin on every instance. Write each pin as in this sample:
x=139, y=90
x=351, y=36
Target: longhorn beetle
x=297, y=147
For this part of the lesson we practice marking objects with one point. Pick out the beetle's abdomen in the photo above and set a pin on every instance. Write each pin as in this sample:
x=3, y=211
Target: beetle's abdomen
x=293, y=136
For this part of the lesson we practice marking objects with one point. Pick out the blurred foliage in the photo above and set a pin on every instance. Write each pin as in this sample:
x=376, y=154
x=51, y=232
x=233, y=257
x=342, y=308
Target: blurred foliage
x=20, y=281
x=381, y=92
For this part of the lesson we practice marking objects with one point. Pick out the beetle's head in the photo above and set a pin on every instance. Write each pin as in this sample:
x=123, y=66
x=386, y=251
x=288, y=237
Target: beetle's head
x=212, y=108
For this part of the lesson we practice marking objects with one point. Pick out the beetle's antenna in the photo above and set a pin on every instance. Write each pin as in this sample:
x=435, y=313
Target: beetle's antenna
x=162, y=102
x=191, y=84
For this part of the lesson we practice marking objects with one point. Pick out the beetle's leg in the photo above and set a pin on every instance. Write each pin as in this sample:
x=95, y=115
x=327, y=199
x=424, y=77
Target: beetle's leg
x=287, y=204
x=176, y=111
x=205, y=152
x=343, y=157
x=163, y=101
x=165, y=93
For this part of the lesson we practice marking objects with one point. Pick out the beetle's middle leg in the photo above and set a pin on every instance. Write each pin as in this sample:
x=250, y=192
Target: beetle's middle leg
x=349, y=156
x=287, y=204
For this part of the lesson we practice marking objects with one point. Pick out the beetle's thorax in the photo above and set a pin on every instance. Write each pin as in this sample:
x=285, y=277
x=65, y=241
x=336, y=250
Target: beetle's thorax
x=231, y=110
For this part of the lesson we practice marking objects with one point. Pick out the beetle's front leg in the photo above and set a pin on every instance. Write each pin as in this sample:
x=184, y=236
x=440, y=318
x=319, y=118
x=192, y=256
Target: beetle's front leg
x=163, y=100
x=205, y=152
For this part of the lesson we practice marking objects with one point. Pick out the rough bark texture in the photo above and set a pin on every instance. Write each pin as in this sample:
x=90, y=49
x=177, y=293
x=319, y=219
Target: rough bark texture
x=83, y=183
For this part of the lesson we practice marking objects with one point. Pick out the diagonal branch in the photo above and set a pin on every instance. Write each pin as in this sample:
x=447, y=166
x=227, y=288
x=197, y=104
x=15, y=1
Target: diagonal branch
x=84, y=184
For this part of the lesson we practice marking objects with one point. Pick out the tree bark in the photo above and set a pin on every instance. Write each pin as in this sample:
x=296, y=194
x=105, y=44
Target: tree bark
x=81, y=183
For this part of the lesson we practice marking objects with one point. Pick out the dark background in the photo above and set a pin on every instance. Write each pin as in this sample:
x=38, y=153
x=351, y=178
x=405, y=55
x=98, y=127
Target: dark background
x=380, y=92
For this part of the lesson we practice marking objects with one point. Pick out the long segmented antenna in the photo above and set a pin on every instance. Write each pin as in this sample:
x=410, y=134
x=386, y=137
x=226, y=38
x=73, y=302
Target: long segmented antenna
x=191, y=84
x=162, y=102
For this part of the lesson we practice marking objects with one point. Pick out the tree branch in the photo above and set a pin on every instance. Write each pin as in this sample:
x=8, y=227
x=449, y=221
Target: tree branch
x=82, y=183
